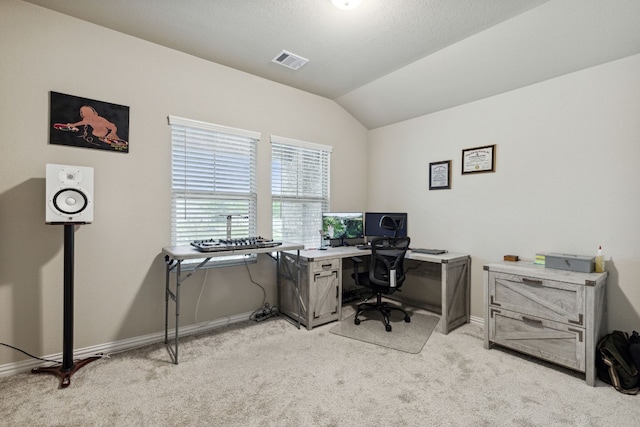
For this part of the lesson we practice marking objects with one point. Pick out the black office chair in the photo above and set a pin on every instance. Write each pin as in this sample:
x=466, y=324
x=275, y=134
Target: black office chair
x=385, y=275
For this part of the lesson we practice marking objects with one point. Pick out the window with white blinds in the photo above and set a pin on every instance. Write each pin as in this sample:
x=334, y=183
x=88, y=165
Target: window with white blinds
x=213, y=181
x=300, y=189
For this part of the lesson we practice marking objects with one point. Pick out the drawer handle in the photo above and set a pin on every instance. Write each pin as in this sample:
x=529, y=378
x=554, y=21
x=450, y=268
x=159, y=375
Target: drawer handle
x=324, y=274
x=579, y=322
x=326, y=265
x=531, y=320
x=531, y=281
x=577, y=332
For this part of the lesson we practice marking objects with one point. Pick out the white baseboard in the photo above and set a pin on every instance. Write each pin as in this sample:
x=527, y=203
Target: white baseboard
x=122, y=345
x=131, y=343
x=477, y=320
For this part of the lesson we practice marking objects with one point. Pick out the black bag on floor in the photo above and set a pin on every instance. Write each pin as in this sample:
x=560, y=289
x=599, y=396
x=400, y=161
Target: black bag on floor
x=634, y=349
x=614, y=363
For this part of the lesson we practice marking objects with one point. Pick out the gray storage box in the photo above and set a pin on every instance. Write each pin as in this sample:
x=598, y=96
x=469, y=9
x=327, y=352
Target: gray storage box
x=581, y=263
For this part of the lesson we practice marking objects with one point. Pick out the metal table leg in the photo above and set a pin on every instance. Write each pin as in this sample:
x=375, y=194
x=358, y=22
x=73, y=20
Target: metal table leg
x=177, y=265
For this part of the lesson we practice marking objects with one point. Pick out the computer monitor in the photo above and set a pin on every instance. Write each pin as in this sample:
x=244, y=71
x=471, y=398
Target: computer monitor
x=382, y=224
x=342, y=225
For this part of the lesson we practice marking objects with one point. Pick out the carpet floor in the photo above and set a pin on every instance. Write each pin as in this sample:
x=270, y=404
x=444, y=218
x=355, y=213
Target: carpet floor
x=273, y=374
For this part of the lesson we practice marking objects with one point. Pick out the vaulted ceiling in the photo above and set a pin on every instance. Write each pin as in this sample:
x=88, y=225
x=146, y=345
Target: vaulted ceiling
x=388, y=60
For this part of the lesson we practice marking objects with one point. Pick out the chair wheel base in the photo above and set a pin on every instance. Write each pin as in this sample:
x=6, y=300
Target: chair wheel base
x=384, y=309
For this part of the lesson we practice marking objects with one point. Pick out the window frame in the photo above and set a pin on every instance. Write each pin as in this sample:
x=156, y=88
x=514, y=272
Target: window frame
x=222, y=181
x=307, y=155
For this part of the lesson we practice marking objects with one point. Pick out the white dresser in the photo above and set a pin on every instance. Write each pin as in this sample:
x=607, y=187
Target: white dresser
x=554, y=315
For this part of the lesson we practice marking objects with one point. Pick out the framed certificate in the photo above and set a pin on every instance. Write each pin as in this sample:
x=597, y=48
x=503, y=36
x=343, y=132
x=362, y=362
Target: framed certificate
x=479, y=159
x=440, y=175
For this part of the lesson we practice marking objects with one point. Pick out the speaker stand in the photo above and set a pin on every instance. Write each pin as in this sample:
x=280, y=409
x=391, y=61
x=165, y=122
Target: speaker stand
x=68, y=366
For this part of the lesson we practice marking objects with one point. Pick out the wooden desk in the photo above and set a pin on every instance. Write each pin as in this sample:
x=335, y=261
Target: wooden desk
x=175, y=255
x=321, y=273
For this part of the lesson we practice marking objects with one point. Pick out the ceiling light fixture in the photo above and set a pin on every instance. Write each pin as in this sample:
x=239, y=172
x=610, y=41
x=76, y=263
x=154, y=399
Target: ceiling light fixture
x=346, y=4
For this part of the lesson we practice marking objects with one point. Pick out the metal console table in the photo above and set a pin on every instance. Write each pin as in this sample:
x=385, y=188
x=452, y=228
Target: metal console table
x=175, y=255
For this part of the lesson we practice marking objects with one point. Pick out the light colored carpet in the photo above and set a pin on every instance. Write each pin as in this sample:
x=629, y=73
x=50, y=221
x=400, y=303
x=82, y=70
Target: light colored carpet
x=273, y=374
x=408, y=337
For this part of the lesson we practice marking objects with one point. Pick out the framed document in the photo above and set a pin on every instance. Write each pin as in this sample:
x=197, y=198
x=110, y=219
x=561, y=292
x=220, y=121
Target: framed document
x=440, y=175
x=479, y=159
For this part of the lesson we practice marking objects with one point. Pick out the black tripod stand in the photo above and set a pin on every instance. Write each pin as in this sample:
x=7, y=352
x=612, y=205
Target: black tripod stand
x=68, y=366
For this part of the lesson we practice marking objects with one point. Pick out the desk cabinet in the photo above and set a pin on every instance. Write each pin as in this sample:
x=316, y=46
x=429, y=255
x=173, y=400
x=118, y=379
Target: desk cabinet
x=554, y=315
x=320, y=292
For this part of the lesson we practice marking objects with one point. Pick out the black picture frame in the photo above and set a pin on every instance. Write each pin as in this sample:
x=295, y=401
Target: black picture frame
x=440, y=175
x=88, y=123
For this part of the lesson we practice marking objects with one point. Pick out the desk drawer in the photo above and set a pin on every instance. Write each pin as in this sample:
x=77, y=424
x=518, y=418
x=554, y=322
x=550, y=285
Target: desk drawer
x=325, y=265
x=546, y=299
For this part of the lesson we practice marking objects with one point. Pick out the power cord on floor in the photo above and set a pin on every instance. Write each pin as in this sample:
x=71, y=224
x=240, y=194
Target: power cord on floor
x=29, y=354
x=43, y=359
x=265, y=311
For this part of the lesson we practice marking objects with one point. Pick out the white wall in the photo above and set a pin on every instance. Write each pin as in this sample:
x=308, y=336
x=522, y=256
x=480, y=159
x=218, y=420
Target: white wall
x=567, y=177
x=119, y=272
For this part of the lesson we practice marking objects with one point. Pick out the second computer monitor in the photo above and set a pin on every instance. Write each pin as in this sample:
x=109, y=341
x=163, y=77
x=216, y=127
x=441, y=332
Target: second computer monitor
x=382, y=224
x=342, y=225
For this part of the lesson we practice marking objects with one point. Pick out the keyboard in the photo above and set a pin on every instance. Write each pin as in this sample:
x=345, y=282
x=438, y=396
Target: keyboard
x=428, y=251
x=218, y=245
x=363, y=247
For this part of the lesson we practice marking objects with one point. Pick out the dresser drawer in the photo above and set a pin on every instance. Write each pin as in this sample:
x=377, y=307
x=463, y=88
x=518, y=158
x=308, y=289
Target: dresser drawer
x=541, y=298
x=545, y=339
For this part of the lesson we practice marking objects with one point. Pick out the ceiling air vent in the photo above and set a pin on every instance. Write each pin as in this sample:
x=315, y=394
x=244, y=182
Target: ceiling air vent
x=289, y=60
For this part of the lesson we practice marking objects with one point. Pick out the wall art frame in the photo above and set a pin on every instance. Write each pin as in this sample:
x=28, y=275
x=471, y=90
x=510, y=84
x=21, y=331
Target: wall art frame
x=479, y=159
x=88, y=123
x=440, y=175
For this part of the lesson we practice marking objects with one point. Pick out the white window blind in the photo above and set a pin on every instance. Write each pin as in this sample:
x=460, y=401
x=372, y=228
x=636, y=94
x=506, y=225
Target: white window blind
x=213, y=181
x=300, y=189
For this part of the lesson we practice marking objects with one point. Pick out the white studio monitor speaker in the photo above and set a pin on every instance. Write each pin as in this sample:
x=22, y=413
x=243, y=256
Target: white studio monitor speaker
x=69, y=192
